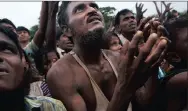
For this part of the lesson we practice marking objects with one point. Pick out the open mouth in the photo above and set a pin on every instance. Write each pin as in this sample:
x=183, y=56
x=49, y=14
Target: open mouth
x=3, y=71
x=93, y=18
x=132, y=25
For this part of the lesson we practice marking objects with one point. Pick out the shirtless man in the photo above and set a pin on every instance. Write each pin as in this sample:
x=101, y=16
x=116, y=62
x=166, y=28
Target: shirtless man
x=86, y=79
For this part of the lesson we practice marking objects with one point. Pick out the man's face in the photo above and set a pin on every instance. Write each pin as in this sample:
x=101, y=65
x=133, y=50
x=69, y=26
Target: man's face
x=127, y=23
x=65, y=43
x=23, y=36
x=175, y=14
x=11, y=65
x=9, y=26
x=84, y=17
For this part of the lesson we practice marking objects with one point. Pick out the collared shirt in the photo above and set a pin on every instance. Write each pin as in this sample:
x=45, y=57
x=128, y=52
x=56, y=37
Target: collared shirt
x=42, y=103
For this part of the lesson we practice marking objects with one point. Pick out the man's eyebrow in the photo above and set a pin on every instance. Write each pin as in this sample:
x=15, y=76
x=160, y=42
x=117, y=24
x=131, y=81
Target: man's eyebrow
x=94, y=4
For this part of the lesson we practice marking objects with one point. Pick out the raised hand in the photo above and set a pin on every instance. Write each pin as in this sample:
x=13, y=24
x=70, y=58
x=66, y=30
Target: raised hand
x=139, y=11
x=167, y=7
x=135, y=69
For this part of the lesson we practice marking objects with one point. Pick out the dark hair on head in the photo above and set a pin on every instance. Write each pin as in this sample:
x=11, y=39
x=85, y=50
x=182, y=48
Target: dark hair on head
x=62, y=15
x=13, y=36
x=171, y=25
x=22, y=28
x=107, y=39
x=174, y=11
x=122, y=12
x=7, y=21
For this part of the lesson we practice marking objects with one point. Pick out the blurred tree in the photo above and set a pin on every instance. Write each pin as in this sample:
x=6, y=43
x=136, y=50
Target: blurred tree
x=108, y=13
x=33, y=30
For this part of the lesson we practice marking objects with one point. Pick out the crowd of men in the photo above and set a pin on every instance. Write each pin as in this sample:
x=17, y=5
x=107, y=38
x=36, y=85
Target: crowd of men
x=138, y=64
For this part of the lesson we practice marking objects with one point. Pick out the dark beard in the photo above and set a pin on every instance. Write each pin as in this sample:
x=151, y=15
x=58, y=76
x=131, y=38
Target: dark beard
x=93, y=40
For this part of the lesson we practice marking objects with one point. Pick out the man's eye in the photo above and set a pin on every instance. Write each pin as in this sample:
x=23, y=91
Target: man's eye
x=80, y=9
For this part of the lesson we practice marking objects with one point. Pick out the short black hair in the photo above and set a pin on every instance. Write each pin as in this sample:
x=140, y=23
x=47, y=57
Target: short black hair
x=174, y=11
x=62, y=15
x=122, y=12
x=7, y=21
x=22, y=28
x=180, y=22
x=13, y=36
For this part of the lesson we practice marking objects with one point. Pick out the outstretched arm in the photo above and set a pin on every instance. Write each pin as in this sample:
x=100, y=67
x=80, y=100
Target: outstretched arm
x=51, y=27
x=40, y=34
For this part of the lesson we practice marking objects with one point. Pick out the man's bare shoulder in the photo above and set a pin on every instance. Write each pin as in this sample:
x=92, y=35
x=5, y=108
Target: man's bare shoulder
x=62, y=66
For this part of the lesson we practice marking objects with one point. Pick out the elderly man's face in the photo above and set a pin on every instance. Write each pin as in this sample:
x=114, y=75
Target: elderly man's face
x=11, y=65
x=84, y=17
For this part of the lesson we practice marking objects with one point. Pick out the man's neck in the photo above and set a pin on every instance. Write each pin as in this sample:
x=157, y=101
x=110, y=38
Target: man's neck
x=128, y=36
x=24, y=44
x=12, y=101
x=88, y=56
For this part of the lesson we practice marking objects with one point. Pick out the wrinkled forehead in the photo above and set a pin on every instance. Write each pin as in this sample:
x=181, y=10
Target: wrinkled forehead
x=128, y=14
x=73, y=4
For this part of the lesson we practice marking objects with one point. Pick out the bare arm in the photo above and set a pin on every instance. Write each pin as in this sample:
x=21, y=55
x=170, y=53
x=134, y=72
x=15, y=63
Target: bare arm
x=51, y=27
x=62, y=86
x=40, y=34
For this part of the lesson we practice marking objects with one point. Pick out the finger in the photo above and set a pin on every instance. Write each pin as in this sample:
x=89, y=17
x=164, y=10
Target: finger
x=152, y=27
x=146, y=32
x=157, y=53
x=161, y=58
x=164, y=3
x=140, y=4
x=136, y=5
x=143, y=22
x=168, y=4
x=159, y=31
x=144, y=10
x=124, y=49
x=145, y=51
x=133, y=47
